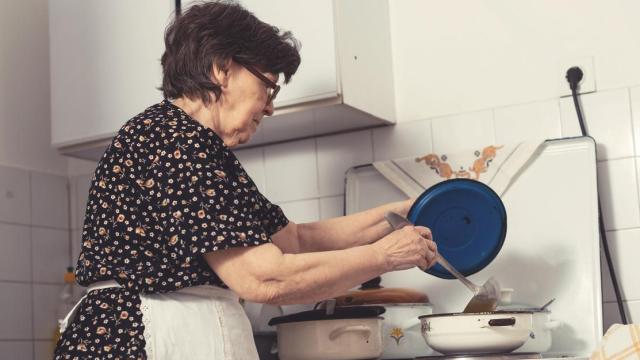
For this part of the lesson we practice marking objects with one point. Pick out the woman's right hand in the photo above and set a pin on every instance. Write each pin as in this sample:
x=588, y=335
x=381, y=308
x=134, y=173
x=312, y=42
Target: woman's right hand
x=408, y=247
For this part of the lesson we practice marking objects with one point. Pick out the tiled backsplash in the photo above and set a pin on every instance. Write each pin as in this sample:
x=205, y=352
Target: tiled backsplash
x=306, y=178
x=34, y=243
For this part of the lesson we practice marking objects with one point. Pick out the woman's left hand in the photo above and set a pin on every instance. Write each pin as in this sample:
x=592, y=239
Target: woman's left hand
x=405, y=206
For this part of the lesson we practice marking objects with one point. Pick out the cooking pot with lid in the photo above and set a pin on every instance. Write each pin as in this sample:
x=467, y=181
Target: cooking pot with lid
x=401, y=334
x=330, y=334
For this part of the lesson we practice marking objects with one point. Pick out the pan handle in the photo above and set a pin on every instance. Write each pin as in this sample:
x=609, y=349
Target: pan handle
x=503, y=322
x=364, y=331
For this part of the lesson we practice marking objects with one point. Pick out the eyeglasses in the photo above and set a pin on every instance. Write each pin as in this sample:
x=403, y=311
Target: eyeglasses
x=272, y=88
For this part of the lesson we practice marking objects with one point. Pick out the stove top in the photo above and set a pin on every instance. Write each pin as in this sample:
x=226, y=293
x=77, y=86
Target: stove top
x=508, y=356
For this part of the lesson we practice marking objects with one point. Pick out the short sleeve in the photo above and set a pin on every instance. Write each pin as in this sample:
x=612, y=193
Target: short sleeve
x=202, y=198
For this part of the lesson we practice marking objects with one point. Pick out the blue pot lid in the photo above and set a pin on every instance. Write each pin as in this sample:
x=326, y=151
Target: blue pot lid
x=468, y=222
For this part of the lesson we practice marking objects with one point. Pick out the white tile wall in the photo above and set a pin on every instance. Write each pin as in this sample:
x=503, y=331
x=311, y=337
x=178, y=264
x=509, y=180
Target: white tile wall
x=607, y=117
x=43, y=350
x=49, y=200
x=338, y=153
x=15, y=304
x=76, y=245
x=291, y=170
x=331, y=207
x=79, y=191
x=611, y=315
x=634, y=94
x=17, y=350
x=466, y=131
x=15, y=254
x=624, y=247
x=536, y=120
x=403, y=140
x=15, y=196
x=618, y=190
x=45, y=306
x=253, y=162
x=303, y=211
x=50, y=254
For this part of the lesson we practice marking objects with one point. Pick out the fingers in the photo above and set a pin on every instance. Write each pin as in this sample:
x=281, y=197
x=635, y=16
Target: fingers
x=425, y=232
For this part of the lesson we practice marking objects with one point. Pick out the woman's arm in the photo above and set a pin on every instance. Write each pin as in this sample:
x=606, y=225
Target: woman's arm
x=346, y=231
x=265, y=274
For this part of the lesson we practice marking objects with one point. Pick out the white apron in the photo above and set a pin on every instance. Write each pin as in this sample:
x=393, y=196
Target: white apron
x=202, y=322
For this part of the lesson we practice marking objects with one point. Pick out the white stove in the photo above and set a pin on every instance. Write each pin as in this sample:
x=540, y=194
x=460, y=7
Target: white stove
x=551, y=249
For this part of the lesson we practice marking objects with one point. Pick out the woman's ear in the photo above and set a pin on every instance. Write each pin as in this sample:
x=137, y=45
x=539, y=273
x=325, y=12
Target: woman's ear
x=220, y=75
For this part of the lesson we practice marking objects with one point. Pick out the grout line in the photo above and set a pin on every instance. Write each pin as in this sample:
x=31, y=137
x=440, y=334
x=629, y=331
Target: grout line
x=23, y=282
x=493, y=123
x=315, y=146
x=2, y=222
x=624, y=300
x=69, y=224
x=373, y=146
x=633, y=140
x=32, y=287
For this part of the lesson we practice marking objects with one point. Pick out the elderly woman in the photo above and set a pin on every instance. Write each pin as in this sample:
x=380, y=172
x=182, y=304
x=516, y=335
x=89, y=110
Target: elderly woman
x=175, y=229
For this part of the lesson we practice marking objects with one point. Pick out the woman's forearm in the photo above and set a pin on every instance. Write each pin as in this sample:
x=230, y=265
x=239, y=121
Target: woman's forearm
x=348, y=231
x=311, y=277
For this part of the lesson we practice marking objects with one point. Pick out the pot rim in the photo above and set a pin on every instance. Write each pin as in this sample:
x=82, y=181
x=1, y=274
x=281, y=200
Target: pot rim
x=392, y=304
x=499, y=313
x=308, y=321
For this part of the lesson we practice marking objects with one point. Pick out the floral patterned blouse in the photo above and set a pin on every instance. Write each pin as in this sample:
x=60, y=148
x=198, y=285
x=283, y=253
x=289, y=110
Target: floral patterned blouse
x=166, y=191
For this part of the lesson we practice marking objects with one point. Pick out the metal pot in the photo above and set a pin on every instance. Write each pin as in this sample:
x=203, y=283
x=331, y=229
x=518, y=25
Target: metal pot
x=343, y=333
x=477, y=333
x=539, y=340
x=401, y=327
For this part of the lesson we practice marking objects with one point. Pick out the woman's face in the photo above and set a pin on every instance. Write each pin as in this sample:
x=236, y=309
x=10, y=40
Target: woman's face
x=242, y=105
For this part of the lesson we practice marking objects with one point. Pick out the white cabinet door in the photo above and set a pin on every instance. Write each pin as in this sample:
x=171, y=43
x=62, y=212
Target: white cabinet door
x=312, y=23
x=105, y=64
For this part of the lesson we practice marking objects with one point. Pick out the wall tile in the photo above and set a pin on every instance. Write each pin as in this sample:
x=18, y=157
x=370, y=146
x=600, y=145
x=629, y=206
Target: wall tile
x=49, y=200
x=79, y=188
x=76, y=245
x=331, y=207
x=611, y=315
x=15, y=196
x=50, y=254
x=402, y=140
x=338, y=153
x=466, y=131
x=46, y=299
x=291, y=171
x=538, y=120
x=618, y=192
x=635, y=117
x=15, y=256
x=624, y=247
x=17, y=350
x=302, y=211
x=607, y=117
x=15, y=307
x=253, y=162
x=43, y=350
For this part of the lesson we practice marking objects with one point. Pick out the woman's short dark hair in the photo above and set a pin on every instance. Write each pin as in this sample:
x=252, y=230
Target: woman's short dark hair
x=213, y=33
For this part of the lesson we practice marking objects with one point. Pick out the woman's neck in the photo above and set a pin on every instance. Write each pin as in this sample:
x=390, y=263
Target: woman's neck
x=205, y=115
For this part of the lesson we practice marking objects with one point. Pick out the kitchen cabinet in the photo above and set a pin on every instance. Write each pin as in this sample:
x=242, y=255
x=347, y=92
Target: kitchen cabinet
x=312, y=23
x=103, y=71
x=105, y=64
